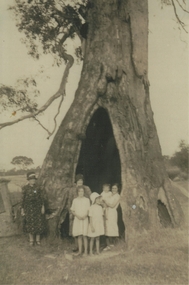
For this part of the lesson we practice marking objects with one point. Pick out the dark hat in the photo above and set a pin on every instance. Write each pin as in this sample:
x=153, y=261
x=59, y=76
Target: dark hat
x=31, y=175
x=78, y=177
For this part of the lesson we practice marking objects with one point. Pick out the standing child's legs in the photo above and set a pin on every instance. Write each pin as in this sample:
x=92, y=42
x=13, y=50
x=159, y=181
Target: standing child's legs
x=76, y=244
x=112, y=241
x=91, y=245
x=97, y=245
x=85, y=244
x=80, y=243
x=38, y=239
x=107, y=241
x=31, y=239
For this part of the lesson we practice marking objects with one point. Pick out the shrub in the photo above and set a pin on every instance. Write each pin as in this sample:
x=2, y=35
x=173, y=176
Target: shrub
x=180, y=158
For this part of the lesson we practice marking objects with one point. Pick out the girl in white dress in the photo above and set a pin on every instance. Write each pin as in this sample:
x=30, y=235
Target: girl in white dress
x=111, y=226
x=80, y=208
x=96, y=225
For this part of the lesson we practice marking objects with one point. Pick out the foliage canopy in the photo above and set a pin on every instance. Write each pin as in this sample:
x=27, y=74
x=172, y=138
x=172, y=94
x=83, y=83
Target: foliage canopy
x=50, y=23
x=181, y=157
x=47, y=26
x=22, y=161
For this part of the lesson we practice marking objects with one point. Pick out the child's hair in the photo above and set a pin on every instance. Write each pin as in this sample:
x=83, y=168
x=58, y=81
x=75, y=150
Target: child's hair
x=105, y=185
x=80, y=187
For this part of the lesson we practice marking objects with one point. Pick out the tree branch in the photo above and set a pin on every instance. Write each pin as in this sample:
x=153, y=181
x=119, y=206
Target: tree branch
x=182, y=7
x=178, y=19
x=61, y=91
x=58, y=112
x=83, y=11
x=49, y=133
x=55, y=123
x=70, y=18
x=73, y=23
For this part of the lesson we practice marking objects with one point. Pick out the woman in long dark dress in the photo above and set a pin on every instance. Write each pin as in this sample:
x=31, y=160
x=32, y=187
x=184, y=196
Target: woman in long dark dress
x=33, y=209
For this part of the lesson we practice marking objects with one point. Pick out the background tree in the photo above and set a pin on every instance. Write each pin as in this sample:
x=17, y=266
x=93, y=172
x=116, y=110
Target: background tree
x=110, y=119
x=181, y=157
x=22, y=162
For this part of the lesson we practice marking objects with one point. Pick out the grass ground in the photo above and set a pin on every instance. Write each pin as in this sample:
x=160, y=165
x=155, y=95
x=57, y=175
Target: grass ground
x=158, y=258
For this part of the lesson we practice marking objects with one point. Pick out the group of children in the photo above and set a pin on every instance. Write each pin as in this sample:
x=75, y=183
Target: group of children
x=95, y=217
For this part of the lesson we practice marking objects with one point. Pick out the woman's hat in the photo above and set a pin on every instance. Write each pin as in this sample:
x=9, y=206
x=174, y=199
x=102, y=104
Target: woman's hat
x=31, y=175
x=93, y=197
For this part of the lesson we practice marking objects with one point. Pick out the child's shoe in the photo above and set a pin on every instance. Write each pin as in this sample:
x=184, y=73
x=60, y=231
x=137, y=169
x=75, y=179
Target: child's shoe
x=106, y=248
x=77, y=254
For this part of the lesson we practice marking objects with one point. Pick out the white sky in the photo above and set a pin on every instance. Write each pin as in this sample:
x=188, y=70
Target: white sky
x=168, y=75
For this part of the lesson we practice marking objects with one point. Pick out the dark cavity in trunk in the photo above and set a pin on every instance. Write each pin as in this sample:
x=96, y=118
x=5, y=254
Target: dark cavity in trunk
x=163, y=214
x=99, y=160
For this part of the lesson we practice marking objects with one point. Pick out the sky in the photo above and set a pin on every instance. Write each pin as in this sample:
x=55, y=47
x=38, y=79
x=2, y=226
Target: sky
x=168, y=75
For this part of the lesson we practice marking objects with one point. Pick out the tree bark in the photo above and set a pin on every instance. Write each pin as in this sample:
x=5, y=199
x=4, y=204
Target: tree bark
x=114, y=77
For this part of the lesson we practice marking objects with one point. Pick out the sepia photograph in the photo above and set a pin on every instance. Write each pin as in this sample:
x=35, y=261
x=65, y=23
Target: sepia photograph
x=94, y=142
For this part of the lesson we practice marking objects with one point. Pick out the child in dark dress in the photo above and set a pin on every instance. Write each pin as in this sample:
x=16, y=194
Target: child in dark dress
x=33, y=209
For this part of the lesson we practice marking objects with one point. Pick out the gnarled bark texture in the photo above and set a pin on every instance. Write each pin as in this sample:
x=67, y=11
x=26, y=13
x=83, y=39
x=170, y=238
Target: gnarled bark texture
x=114, y=78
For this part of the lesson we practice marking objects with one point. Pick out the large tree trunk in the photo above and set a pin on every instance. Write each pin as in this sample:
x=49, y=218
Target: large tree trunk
x=113, y=88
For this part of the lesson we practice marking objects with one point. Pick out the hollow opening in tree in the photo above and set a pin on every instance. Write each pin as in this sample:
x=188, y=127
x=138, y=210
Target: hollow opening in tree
x=163, y=214
x=99, y=159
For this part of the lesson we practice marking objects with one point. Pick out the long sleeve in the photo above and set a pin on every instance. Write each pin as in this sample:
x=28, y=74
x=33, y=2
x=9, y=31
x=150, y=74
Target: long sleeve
x=113, y=201
x=72, y=208
x=42, y=196
x=23, y=197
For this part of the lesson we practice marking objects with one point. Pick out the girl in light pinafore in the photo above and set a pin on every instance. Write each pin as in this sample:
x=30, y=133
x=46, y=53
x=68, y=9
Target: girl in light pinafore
x=96, y=224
